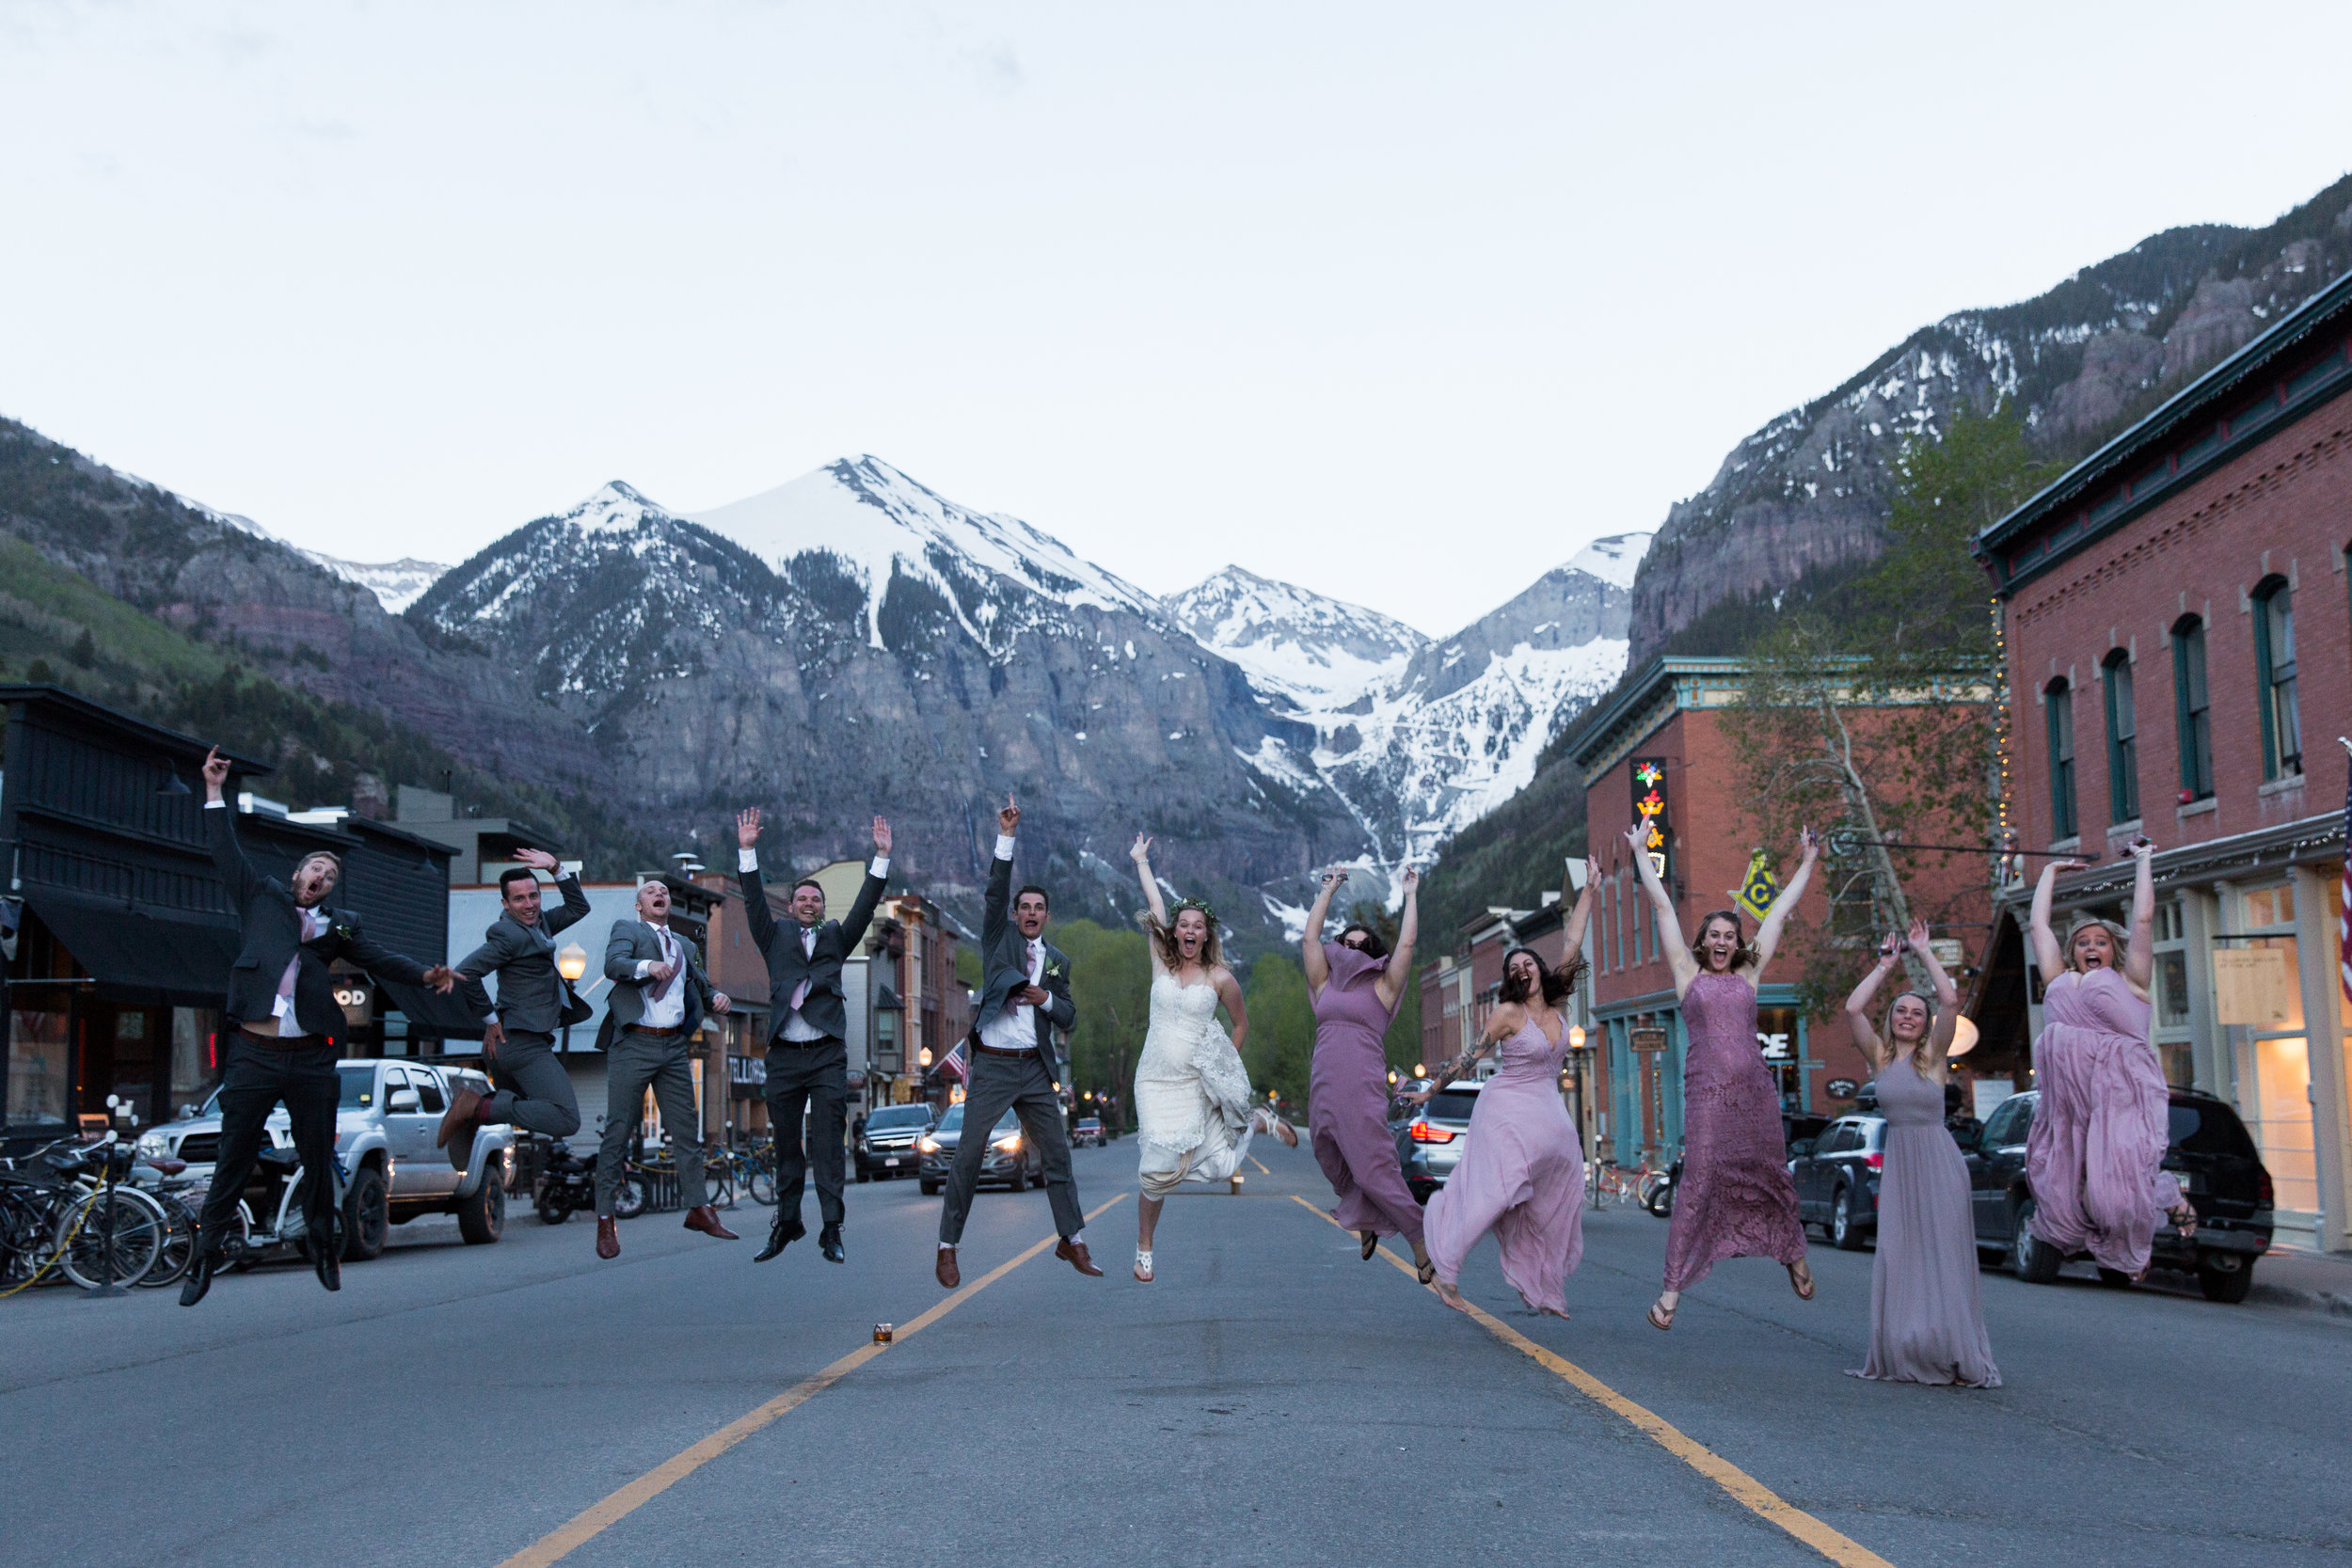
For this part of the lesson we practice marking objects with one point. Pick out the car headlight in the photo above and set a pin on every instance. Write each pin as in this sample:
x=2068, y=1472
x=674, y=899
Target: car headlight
x=927, y=1144
x=152, y=1146
x=1010, y=1143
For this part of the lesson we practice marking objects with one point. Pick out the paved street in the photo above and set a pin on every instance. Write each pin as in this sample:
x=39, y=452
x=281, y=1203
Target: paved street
x=1270, y=1399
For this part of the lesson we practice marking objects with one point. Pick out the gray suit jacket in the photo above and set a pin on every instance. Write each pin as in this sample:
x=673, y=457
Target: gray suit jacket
x=1005, y=960
x=533, y=997
x=633, y=940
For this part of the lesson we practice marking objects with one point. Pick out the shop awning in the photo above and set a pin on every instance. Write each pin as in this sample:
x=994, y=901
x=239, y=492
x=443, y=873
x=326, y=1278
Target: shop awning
x=137, y=954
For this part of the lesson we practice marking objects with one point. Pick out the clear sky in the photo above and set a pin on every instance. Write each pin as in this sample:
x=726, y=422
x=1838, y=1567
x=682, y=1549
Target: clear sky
x=1400, y=302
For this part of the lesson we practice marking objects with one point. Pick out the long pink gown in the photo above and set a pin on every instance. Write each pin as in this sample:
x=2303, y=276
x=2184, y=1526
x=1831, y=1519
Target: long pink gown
x=1521, y=1177
x=1927, y=1312
x=1347, y=1099
x=2095, y=1154
x=1735, y=1200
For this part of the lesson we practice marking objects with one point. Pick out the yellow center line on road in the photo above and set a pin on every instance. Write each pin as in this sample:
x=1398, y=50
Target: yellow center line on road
x=603, y=1514
x=1743, y=1487
x=1260, y=1164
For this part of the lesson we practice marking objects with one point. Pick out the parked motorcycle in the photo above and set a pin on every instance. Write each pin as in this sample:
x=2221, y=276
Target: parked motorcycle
x=1659, y=1196
x=567, y=1185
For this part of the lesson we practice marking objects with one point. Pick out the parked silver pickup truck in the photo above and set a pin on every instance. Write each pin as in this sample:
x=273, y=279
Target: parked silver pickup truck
x=384, y=1130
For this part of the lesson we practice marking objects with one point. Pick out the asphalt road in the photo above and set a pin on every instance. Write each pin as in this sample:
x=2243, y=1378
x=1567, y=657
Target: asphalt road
x=1269, y=1400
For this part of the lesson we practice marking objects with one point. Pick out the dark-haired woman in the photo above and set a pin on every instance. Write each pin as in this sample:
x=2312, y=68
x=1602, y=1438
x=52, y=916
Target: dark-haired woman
x=1734, y=1198
x=1193, y=1117
x=1357, y=983
x=1522, y=1171
x=1927, y=1312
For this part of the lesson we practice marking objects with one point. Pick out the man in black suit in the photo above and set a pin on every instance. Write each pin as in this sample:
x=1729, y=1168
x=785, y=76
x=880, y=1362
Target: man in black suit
x=533, y=1091
x=1025, y=997
x=808, y=1063
x=284, y=1025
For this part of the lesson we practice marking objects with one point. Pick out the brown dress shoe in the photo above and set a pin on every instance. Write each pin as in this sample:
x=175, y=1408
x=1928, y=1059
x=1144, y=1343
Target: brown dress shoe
x=706, y=1219
x=949, y=1275
x=457, y=1125
x=1075, y=1255
x=608, y=1237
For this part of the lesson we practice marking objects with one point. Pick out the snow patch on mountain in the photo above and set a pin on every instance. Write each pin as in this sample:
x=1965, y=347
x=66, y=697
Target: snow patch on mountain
x=1613, y=559
x=396, y=585
x=1305, y=652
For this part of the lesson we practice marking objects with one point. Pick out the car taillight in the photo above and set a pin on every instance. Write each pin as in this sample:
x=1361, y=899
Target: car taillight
x=1876, y=1162
x=1424, y=1133
x=2266, y=1193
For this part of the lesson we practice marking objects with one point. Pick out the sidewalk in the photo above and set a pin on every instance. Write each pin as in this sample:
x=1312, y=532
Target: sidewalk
x=2307, y=1281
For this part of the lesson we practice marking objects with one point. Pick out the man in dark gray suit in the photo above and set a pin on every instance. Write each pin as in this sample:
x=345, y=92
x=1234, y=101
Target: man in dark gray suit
x=518, y=1041
x=1024, y=998
x=808, y=1063
x=658, y=994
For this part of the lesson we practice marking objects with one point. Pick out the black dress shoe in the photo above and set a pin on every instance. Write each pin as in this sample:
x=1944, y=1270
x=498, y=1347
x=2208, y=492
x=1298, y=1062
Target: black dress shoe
x=785, y=1229
x=199, y=1280
x=829, y=1244
x=327, y=1262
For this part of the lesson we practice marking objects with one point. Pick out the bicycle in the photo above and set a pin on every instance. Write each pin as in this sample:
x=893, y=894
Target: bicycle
x=63, y=1215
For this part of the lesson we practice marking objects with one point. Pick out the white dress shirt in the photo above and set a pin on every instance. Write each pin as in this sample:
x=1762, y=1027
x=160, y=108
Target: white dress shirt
x=668, y=1010
x=796, y=1029
x=1014, y=1028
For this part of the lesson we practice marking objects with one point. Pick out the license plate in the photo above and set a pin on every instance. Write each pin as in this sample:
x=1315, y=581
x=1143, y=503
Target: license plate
x=892, y=1160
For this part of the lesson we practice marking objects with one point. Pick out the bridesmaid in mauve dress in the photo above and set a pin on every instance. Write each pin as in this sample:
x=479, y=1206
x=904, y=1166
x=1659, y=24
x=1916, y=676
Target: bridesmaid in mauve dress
x=1357, y=985
x=1522, y=1171
x=2094, y=1157
x=1927, y=1312
x=1734, y=1198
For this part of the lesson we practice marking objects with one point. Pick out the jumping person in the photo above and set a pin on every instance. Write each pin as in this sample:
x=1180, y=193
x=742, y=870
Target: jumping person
x=1024, y=996
x=1355, y=985
x=533, y=1091
x=1735, y=1199
x=1193, y=1114
x=1927, y=1310
x=1522, y=1169
x=284, y=1025
x=2094, y=1155
x=660, y=993
x=808, y=1062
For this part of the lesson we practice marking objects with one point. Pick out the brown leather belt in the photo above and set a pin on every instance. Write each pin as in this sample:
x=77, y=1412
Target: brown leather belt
x=1000, y=1051
x=658, y=1033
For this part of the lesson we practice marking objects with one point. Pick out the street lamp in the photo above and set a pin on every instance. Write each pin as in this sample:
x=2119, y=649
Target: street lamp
x=571, y=963
x=923, y=1058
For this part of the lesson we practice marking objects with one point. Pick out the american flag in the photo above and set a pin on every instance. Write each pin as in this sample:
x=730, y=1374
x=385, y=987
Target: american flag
x=956, y=1064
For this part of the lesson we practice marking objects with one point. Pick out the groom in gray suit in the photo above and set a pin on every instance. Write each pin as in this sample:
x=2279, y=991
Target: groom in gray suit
x=1024, y=998
x=518, y=1038
x=660, y=993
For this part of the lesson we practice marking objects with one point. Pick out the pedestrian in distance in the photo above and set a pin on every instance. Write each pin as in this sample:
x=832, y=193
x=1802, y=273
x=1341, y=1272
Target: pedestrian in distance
x=1355, y=985
x=1927, y=1309
x=2094, y=1156
x=1522, y=1174
x=808, y=1060
x=1734, y=1198
x=531, y=1089
x=660, y=997
x=1192, y=1093
x=284, y=1029
x=1024, y=998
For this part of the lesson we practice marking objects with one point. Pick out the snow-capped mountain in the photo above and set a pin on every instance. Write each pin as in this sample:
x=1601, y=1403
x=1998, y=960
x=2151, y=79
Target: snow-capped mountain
x=396, y=585
x=1302, y=650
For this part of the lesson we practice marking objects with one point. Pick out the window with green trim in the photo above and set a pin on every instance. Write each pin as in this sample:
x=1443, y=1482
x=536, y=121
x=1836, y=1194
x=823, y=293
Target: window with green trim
x=2058, y=707
x=2274, y=675
x=2123, y=740
x=2192, y=709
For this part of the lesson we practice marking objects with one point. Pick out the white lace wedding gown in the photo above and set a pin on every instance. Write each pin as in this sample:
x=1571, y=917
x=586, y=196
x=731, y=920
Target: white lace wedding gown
x=1192, y=1094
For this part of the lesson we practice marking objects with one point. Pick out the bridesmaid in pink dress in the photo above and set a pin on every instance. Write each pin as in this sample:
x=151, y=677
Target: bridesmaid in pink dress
x=2095, y=1155
x=1735, y=1199
x=1523, y=1170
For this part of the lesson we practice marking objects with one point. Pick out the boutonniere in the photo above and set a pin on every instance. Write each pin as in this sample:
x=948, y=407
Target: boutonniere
x=339, y=931
x=1053, y=969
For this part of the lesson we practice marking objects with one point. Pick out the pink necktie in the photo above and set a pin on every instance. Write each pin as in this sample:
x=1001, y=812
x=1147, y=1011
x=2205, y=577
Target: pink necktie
x=669, y=955
x=808, y=943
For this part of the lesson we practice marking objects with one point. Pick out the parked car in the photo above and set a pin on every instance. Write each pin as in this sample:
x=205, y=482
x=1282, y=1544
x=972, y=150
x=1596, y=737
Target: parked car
x=1429, y=1143
x=385, y=1124
x=1837, y=1174
x=2211, y=1154
x=1012, y=1159
x=1089, y=1134
x=885, y=1145
x=1796, y=1129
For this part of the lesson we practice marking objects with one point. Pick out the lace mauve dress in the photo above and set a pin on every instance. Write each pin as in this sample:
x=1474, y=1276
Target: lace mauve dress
x=2095, y=1154
x=1735, y=1199
x=1521, y=1177
x=1927, y=1312
x=1347, y=1099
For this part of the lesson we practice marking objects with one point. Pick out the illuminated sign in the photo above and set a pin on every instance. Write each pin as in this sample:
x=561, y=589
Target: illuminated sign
x=1649, y=812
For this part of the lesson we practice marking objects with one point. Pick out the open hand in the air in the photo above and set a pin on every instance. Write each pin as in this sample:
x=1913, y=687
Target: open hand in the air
x=1917, y=935
x=537, y=860
x=1140, y=850
x=747, y=827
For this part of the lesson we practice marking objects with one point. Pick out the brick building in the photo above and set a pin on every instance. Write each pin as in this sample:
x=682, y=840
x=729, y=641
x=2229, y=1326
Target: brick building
x=1663, y=731
x=2179, y=645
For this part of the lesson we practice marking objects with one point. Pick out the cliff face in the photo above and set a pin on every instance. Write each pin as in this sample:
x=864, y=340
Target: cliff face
x=1810, y=489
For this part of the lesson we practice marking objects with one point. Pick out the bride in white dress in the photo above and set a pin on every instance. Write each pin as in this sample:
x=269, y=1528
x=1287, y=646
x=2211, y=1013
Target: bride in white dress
x=1194, y=1118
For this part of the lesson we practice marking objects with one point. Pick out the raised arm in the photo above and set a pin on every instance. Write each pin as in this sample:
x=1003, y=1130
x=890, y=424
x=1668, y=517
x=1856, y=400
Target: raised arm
x=1947, y=997
x=1579, y=911
x=1311, y=945
x=1865, y=1034
x=1229, y=992
x=996, y=914
x=1141, y=854
x=1390, y=986
x=1678, y=961
x=237, y=876
x=869, y=891
x=2049, y=956
x=1775, y=918
x=2139, y=964
x=575, y=906
x=758, y=917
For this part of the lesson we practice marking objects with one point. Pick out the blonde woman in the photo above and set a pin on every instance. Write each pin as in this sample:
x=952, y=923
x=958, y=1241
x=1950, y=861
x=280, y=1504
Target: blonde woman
x=1193, y=1115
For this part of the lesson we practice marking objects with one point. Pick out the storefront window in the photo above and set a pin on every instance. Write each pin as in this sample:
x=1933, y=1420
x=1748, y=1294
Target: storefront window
x=2279, y=1104
x=40, y=1077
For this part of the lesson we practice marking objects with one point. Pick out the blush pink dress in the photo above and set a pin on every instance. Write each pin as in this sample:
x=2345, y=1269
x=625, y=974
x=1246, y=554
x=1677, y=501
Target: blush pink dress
x=1521, y=1177
x=1347, y=1099
x=1927, y=1312
x=2095, y=1154
x=1736, y=1198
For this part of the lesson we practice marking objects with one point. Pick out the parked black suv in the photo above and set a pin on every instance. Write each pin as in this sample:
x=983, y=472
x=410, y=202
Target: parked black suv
x=2212, y=1155
x=885, y=1144
x=1836, y=1172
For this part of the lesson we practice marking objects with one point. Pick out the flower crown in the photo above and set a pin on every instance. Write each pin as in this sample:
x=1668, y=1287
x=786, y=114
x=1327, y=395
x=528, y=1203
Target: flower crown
x=1183, y=904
